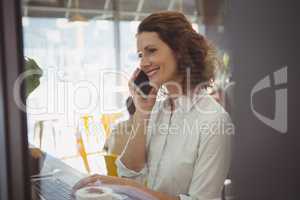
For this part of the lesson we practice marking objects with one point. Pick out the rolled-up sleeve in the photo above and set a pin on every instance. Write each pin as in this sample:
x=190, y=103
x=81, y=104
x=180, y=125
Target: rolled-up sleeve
x=123, y=171
x=213, y=162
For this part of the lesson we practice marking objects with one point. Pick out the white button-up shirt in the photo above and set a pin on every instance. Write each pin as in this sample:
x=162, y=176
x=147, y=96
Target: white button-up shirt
x=188, y=152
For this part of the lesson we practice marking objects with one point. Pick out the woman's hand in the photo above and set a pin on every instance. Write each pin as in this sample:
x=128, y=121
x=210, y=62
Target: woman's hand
x=125, y=183
x=143, y=105
x=106, y=180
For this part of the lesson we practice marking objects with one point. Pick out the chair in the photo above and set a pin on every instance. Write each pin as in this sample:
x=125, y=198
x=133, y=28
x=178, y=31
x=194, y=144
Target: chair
x=110, y=164
x=107, y=120
x=80, y=142
x=86, y=125
x=39, y=128
x=81, y=149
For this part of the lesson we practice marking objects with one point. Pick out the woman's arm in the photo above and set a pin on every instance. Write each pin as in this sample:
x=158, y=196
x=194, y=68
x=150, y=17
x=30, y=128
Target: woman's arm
x=134, y=154
x=213, y=161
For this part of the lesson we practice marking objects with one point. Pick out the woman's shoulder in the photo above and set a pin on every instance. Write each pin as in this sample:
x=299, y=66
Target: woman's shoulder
x=206, y=107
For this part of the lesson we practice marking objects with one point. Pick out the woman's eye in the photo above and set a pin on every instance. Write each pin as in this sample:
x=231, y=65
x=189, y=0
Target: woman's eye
x=140, y=55
x=152, y=50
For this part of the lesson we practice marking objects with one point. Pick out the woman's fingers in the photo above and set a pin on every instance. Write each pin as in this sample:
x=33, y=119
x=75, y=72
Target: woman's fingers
x=134, y=75
x=131, y=81
x=103, y=180
x=152, y=95
x=85, y=182
x=153, y=91
x=133, y=88
x=136, y=72
x=91, y=180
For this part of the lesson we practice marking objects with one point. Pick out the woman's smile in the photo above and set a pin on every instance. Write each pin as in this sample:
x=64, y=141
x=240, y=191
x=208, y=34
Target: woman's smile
x=152, y=72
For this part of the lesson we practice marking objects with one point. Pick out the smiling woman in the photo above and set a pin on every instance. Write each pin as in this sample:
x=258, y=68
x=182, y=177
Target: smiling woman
x=157, y=58
x=176, y=149
x=190, y=49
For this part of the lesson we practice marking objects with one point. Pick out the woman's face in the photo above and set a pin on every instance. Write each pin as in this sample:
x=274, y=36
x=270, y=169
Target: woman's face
x=157, y=59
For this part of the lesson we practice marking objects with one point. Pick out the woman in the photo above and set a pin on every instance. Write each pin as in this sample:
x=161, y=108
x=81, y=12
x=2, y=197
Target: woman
x=180, y=146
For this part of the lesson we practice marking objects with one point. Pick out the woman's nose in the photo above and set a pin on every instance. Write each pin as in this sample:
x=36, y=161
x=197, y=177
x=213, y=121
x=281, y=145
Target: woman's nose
x=144, y=62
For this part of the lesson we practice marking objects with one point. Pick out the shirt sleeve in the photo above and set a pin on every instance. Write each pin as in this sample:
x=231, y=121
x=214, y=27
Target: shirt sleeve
x=123, y=171
x=213, y=161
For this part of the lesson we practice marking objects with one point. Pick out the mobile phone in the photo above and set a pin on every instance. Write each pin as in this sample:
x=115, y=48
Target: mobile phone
x=143, y=84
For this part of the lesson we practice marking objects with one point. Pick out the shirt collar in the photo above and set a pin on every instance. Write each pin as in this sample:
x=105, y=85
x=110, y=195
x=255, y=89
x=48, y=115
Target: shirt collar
x=186, y=102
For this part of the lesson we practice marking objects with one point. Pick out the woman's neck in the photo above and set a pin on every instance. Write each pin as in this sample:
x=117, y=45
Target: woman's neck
x=174, y=90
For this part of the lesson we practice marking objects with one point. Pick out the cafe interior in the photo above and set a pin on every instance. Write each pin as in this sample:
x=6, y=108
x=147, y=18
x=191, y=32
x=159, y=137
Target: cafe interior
x=82, y=54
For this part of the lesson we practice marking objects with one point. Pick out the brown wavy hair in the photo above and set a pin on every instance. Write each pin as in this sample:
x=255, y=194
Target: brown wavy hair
x=192, y=51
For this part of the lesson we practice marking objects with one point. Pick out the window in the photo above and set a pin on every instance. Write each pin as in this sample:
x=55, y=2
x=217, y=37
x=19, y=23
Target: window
x=87, y=52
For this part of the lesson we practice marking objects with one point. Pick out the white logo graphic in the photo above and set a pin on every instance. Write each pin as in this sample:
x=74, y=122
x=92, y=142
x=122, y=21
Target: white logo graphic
x=279, y=122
